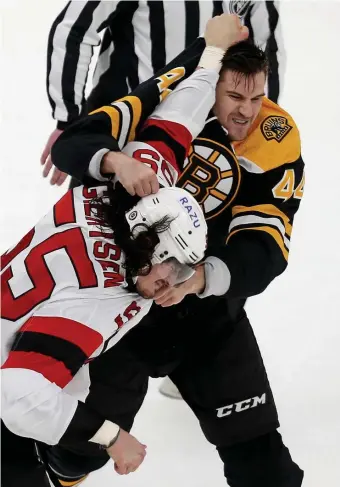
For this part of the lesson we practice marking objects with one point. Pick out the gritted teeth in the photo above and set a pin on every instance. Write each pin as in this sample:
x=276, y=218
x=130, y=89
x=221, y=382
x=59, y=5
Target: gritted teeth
x=240, y=121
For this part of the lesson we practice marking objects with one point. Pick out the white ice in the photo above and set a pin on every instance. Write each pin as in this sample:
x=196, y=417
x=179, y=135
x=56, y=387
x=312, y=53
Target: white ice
x=296, y=320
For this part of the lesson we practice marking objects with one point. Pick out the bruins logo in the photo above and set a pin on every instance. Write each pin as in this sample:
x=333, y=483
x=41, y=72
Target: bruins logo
x=275, y=127
x=212, y=175
x=239, y=8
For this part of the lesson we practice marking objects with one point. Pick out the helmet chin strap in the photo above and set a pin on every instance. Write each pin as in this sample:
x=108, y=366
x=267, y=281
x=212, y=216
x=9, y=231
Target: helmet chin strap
x=182, y=272
x=185, y=274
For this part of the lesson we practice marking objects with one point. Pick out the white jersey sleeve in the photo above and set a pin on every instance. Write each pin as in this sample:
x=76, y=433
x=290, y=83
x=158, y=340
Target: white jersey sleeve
x=166, y=137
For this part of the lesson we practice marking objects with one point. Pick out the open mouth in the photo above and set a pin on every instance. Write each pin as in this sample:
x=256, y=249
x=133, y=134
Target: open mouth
x=240, y=121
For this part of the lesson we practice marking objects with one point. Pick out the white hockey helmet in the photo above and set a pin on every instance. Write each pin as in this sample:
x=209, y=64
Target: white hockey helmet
x=185, y=239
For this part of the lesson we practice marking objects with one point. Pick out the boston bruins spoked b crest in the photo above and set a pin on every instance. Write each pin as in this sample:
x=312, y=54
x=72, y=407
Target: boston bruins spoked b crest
x=211, y=174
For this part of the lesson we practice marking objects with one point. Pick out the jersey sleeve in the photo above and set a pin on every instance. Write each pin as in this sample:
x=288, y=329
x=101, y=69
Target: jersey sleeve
x=111, y=127
x=165, y=138
x=262, y=214
x=44, y=380
x=72, y=37
x=258, y=241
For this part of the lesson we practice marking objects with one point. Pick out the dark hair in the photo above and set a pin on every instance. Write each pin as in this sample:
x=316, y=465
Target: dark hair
x=246, y=59
x=110, y=209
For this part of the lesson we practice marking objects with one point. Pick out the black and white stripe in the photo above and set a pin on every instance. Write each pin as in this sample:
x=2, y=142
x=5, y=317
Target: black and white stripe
x=272, y=52
x=139, y=38
x=263, y=21
x=70, y=48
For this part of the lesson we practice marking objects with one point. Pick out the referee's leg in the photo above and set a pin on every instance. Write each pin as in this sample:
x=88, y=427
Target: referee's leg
x=226, y=386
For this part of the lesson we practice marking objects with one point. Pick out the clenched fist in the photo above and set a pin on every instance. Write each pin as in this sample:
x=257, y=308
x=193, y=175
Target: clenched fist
x=127, y=452
x=225, y=30
x=137, y=178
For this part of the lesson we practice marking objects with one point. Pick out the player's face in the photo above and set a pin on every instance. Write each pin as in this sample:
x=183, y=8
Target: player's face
x=238, y=102
x=161, y=276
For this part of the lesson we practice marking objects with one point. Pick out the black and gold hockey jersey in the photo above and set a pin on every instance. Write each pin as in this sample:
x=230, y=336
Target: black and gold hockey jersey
x=249, y=190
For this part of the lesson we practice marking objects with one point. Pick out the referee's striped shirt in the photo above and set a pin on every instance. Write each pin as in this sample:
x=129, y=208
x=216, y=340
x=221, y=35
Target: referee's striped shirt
x=138, y=39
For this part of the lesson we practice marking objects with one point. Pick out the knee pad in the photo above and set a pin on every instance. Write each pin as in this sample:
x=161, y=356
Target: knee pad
x=261, y=462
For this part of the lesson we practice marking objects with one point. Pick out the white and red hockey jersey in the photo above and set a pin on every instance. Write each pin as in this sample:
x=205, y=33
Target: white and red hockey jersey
x=64, y=294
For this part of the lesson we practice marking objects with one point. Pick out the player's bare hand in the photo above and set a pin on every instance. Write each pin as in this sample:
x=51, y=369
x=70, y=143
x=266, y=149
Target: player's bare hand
x=225, y=30
x=170, y=296
x=136, y=177
x=166, y=297
x=58, y=177
x=127, y=453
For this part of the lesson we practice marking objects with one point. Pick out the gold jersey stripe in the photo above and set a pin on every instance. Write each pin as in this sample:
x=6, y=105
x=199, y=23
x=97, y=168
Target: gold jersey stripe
x=226, y=174
x=73, y=483
x=271, y=231
x=217, y=194
x=114, y=115
x=268, y=210
x=136, y=106
x=212, y=158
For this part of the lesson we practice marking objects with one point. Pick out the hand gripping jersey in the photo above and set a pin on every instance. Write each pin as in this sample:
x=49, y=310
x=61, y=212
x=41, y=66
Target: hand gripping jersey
x=64, y=295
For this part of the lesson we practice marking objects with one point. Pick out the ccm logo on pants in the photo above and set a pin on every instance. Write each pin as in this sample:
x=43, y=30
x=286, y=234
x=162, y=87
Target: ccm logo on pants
x=238, y=407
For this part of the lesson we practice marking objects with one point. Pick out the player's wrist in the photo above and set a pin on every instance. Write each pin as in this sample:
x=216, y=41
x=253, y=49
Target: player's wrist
x=107, y=435
x=110, y=163
x=211, y=58
x=196, y=284
x=112, y=442
x=217, y=277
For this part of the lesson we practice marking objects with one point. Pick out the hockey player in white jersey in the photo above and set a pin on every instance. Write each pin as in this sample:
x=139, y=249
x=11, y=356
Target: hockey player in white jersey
x=86, y=274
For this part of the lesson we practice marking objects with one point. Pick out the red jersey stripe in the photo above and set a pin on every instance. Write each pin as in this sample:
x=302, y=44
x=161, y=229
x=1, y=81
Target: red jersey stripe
x=53, y=370
x=64, y=211
x=84, y=337
x=176, y=131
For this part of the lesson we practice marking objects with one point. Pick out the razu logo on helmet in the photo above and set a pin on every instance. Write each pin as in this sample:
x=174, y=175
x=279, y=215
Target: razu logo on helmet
x=179, y=240
x=193, y=216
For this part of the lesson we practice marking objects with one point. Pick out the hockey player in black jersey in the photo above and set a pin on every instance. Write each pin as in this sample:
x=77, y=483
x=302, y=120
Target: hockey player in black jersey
x=250, y=185
x=246, y=171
